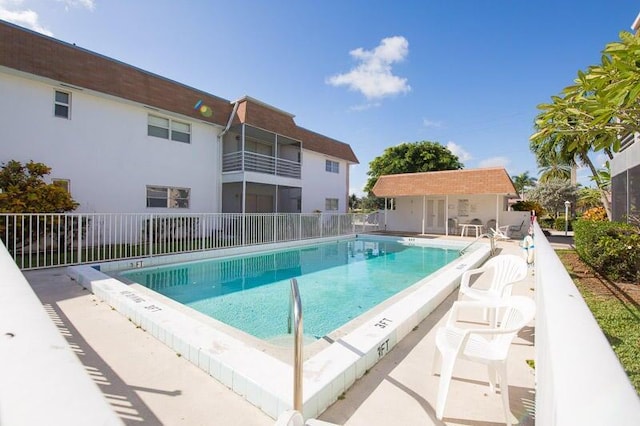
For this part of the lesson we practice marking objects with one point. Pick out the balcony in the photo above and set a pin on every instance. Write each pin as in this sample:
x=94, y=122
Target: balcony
x=247, y=161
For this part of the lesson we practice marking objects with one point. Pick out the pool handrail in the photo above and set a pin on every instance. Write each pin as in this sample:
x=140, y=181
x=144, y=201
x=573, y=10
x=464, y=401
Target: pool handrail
x=488, y=235
x=295, y=309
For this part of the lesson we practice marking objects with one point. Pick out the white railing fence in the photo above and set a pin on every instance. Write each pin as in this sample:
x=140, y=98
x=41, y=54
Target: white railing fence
x=46, y=240
x=579, y=380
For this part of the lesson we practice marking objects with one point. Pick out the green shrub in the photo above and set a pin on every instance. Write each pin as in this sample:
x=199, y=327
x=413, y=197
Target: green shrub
x=611, y=248
x=527, y=206
x=558, y=224
x=547, y=222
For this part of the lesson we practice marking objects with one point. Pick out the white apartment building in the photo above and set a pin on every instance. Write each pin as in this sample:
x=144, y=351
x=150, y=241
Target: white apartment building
x=122, y=139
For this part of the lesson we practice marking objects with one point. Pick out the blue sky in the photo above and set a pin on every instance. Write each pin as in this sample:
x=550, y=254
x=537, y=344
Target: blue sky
x=373, y=74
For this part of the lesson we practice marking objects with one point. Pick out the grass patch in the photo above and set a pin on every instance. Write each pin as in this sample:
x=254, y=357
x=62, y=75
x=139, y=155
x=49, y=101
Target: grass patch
x=617, y=314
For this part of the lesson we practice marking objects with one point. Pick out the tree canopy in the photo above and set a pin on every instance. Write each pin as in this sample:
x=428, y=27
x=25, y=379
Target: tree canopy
x=25, y=191
x=523, y=181
x=424, y=156
x=552, y=194
x=592, y=114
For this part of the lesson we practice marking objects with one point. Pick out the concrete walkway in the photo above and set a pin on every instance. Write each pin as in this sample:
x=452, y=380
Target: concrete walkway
x=148, y=384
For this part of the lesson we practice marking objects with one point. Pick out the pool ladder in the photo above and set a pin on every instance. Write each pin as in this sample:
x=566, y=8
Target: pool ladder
x=295, y=323
x=488, y=235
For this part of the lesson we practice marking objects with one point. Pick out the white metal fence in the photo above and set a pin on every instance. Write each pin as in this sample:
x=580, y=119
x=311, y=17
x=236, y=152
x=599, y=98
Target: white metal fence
x=46, y=240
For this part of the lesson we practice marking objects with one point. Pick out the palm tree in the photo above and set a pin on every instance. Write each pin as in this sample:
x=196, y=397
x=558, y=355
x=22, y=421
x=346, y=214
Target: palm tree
x=558, y=153
x=522, y=182
x=588, y=198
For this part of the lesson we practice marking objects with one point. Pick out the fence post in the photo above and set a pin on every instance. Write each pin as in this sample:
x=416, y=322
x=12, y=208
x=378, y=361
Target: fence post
x=79, y=238
x=320, y=223
x=151, y=235
x=275, y=232
x=202, y=229
x=244, y=226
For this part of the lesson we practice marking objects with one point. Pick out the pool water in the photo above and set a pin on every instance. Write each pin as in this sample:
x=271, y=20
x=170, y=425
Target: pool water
x=338, y=282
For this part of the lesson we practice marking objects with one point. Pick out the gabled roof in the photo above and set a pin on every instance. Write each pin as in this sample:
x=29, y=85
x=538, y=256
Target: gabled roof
x=263, y=116
x=45, y=57
x=449, y=182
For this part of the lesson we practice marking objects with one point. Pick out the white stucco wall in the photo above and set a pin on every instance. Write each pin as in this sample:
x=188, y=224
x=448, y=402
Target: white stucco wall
x=318, y=184
x=409, y=212
x=104, y=149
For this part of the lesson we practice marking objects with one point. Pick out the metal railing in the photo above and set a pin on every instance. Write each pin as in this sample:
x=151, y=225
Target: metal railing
x=627, y=140
x=254, y=162
x=47, y=240
x=296, y=320
x=492, y=240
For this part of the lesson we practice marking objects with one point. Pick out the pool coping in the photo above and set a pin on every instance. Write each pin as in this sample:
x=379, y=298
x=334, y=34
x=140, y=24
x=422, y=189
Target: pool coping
x=263, y=380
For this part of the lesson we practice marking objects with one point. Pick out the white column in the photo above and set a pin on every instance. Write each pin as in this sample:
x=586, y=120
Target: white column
x=446, y=215
x=424, y=210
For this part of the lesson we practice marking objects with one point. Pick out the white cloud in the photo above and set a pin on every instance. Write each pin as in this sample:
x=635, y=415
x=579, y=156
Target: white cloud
x=456, y=149
x=430, y=123
x=364, y=107
x=372, y=76
x=600, y=160
x=87, y=4
x=13, y=11
x=16, y=12
x=495, y=162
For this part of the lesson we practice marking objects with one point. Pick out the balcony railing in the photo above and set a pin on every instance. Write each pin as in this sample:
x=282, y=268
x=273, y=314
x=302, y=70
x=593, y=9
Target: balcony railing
x=627, y=140
x=252, y=162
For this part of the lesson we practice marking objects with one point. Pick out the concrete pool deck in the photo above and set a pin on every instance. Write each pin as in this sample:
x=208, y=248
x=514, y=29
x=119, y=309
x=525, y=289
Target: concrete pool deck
x=147, y=383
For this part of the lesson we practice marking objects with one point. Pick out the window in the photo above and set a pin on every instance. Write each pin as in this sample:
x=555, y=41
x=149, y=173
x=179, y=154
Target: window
x=62, y=104
x=331, y=204
x=332, y=166
x=166, y=128
x=62, y=183
x=173, y=198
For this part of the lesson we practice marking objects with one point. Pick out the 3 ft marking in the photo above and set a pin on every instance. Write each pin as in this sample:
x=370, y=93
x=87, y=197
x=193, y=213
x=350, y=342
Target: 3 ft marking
x=383, y=348
x=383, y=323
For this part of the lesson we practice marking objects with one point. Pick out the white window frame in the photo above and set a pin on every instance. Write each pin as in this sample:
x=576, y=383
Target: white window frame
x=173, y=129
x=58, y=103
x=331, y=204
x=332, y=166
x=172, y=201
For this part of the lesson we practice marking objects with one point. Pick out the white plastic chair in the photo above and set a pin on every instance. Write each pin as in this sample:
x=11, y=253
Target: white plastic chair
x=501, y=233
x=488, y=346
x=505, y=269
x=290, y=418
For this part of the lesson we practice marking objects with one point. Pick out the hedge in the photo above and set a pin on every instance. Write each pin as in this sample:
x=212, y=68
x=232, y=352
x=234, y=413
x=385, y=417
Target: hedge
x=611, y=248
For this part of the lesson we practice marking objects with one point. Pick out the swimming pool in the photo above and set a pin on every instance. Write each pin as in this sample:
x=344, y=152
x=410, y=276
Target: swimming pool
x=338, y=282
x=262, y=372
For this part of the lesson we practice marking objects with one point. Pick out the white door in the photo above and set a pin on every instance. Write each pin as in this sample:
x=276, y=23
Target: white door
x=435, y=215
